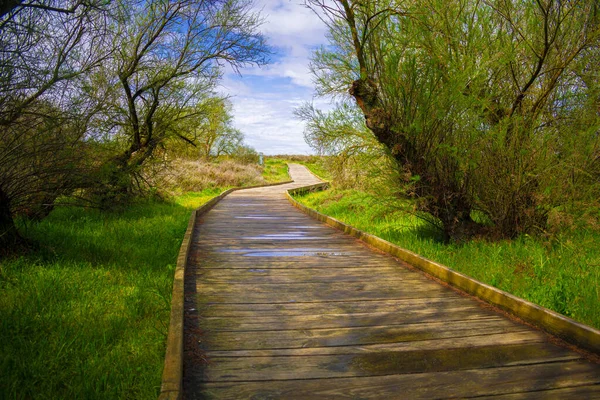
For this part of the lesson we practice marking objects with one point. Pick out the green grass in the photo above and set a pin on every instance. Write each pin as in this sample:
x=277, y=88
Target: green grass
x=275, y=170
x=85, y=315
x=563, y=275
x=318, y=168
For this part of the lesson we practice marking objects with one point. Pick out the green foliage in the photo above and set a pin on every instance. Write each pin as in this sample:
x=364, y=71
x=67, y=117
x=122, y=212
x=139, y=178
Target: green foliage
x=245, y=154
x=126, y=78
x=86, y=314
x=562, y=274
x=493, y=105
x=166, y=67
x=355, y=157
x=205, y=131
x=275, y=170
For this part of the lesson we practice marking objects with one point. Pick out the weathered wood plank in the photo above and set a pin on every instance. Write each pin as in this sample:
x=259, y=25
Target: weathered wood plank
x=381, y=363
x=577, y=392
x=311, y=287
x=451, y=384
x=258, y=275
x=301, y=338
x=264, y=293
x=322, y=321
x=302, y=262
x=499, y=339
x=442, y=304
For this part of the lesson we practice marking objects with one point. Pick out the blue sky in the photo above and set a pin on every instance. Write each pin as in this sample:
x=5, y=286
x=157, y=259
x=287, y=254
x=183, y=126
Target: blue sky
x=264, y=98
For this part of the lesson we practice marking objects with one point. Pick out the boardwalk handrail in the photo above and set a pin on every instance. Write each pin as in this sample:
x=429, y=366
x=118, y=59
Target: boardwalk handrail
x=171, y=385
x=565, y=328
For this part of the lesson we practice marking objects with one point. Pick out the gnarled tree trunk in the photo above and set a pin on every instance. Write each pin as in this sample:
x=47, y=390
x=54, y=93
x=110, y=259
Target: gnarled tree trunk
x=443, y=200
x=9, y=236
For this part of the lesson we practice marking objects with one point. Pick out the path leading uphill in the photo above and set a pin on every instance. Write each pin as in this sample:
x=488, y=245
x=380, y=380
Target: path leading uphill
x=284, y=307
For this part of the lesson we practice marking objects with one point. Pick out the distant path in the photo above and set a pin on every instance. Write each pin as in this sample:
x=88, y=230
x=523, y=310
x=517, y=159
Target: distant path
x=285, y=307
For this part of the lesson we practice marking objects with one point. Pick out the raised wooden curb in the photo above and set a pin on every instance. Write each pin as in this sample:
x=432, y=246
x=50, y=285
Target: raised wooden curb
x=172, y=377
x=559, y=325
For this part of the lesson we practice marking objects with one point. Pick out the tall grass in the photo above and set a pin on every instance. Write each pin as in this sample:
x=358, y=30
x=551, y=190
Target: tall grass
x=184, y=175
x=275, y=170
x=562, y=274
x=85, y=314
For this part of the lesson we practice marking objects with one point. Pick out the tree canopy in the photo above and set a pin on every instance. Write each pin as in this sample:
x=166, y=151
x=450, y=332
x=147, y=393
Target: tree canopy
x=488, y=106
x=90, y=89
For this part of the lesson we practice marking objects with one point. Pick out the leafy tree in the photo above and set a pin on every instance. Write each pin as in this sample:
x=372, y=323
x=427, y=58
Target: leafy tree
x=170, y=55
x=214, y=132
x=356, y=159
x=89, y=89
x=475, y=100
x=206, y=131
x=245, y=154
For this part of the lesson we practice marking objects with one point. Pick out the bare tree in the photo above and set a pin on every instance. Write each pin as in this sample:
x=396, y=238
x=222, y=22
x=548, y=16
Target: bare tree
x=171, y=54
x=47, y=49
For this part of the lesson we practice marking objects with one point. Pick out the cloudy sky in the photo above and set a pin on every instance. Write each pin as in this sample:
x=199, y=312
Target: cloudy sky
x=264, y=98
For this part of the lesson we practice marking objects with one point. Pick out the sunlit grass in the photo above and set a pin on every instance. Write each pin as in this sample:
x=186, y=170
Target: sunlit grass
x=563, y=275
x=275, y=170
x=85, y=315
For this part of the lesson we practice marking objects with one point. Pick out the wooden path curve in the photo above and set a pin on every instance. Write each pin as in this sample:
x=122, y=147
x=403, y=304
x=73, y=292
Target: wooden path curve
x=280, y=306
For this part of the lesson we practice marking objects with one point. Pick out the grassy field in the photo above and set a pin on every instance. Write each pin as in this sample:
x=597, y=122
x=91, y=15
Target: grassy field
x=275, y=170
x=85, y=315
x=563, y=275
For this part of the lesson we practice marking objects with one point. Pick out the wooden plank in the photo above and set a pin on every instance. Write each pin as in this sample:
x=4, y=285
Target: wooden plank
x=249, y=369
x=577, y=392
x=322, y=321
x=443, y=304
x=498, y=339
x=303, y=287
x=256, y=274
x=309, y=292
x=451, y=384
x=305, y=262
x=302, y=338
x=293, y=295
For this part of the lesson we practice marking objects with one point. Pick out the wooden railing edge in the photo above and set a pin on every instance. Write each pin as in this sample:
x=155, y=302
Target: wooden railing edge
x=563, y=327
x=171, y=384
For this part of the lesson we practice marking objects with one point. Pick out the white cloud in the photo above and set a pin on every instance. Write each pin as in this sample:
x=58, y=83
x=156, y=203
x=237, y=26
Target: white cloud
x=264, y=98
x=289, y=24
x=269, y=124
x=294, y=68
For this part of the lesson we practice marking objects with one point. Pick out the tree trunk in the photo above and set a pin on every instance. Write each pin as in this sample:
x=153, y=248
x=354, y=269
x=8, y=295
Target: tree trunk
x=442, y=199
x=455, y=216
x=10, y=239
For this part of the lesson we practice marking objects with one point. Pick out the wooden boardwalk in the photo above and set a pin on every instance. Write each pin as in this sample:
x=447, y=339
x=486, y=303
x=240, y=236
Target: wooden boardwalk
x=279, y=306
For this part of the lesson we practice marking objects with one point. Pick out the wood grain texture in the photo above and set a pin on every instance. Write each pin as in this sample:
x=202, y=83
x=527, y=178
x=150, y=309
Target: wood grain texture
x=557, y=324
x=548, y=381
x=279, y=306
